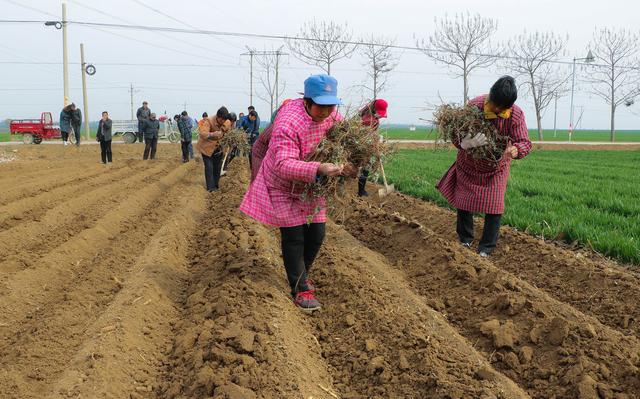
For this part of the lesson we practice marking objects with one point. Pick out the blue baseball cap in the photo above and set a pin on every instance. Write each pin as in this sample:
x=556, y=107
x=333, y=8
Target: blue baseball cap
x=322, y=89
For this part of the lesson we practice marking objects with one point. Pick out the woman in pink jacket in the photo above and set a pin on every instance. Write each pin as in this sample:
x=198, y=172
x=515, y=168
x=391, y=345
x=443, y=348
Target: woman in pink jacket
x=276, y=196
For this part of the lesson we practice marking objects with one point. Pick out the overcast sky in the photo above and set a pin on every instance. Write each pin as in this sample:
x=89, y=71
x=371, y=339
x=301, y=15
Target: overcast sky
x=417, y=81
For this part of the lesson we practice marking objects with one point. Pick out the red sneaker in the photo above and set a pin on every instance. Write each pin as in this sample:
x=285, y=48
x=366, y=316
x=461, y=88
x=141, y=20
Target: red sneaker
x=311, y=286
x=306, y=301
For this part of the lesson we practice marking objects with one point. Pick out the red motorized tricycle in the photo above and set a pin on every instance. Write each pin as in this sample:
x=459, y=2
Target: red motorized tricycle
x=33, y=131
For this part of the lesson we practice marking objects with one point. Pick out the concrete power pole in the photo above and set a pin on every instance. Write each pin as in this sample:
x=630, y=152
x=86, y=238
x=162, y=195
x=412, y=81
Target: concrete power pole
x=251, y=53
x=131, y=93
x=65, y=56
x=84, y=91
x=555, y=117
x=278, y=54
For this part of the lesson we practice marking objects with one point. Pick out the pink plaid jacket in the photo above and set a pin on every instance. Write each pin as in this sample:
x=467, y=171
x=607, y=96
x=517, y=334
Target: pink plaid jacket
x=477, y=185
x=275, y=197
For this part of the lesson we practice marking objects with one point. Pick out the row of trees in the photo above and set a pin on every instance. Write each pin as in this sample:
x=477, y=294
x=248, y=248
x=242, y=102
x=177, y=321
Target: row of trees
x=465, y=43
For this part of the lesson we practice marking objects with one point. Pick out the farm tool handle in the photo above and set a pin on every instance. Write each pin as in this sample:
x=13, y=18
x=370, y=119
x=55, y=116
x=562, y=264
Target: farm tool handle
x=224, y=159
x=384, y=176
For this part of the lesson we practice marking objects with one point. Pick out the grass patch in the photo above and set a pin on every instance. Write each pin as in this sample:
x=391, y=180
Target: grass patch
x=423, y=133
x=587, y=196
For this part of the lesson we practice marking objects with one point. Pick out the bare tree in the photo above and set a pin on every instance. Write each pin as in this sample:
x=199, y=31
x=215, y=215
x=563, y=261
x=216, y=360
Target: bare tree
x=529, y=57
x=322, y=43
x=616, y=79
x=269, y=77
x=380, y=59
x=462, y=44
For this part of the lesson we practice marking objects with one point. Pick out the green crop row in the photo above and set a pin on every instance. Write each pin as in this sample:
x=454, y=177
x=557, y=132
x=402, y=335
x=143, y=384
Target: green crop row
x=423, y=133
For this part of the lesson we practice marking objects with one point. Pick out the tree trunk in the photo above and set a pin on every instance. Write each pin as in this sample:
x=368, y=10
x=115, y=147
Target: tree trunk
x=271, y=105
x=375, y=84
x=536, y=103
x=539, y=119
x=613, y=105
x=465, y=78
x=613, y=122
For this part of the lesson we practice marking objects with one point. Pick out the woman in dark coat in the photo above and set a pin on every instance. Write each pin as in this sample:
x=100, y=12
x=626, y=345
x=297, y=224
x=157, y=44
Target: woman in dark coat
x=66, y=115
x=104, y=137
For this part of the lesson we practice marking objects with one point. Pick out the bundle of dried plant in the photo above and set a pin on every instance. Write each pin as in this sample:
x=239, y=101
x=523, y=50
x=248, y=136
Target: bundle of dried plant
x=235, y=139
x=453, y=123
x=348, y=141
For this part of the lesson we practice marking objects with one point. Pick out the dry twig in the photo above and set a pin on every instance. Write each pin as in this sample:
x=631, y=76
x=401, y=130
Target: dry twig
x=348, y=141
x=455, y=122
x=235, y=138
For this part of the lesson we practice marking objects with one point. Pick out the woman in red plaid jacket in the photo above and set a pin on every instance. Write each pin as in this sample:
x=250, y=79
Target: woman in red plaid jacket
x=478, y=186
x=275, y=196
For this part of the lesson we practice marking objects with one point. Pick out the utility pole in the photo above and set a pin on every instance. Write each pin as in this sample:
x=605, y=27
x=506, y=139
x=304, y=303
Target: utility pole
x=589, y=58
x=131, y=94
x=65, y=56
x=84, y=91
x=250, y=53
x=555, y=117
x=278, y=53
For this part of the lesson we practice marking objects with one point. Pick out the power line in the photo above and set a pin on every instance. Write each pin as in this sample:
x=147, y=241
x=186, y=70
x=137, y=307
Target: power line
x=15, y=3
x=180, y=22
x=286, y=37
x=96, y=10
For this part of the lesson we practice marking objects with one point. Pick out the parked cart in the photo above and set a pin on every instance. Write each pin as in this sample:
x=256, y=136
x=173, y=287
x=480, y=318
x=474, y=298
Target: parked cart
x=129, y=128
x=33, y=131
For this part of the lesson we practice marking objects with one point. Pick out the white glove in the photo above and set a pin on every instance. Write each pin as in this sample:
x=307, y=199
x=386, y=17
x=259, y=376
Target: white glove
x=472, y=142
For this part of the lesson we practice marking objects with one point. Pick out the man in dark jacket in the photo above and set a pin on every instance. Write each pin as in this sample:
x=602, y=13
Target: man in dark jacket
x=76, y=123
x=185, y=126
x=251, y=125
x=151, y=128
x=143, y=115
x=104, y=137
x=65, y=122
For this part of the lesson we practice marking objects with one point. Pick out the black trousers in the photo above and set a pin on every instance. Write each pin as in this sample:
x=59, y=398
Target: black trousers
x=300, y=246
x=105, y=151
x=140, y=133
x=490, y=232
x=212, y=165
x=362, y=181
x=185, y=150
x=65, y=136
x=150, y=145
x=76, y=132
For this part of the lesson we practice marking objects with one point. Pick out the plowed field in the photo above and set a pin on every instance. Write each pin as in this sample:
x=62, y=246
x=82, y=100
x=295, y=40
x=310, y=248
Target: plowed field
x=131, y=281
